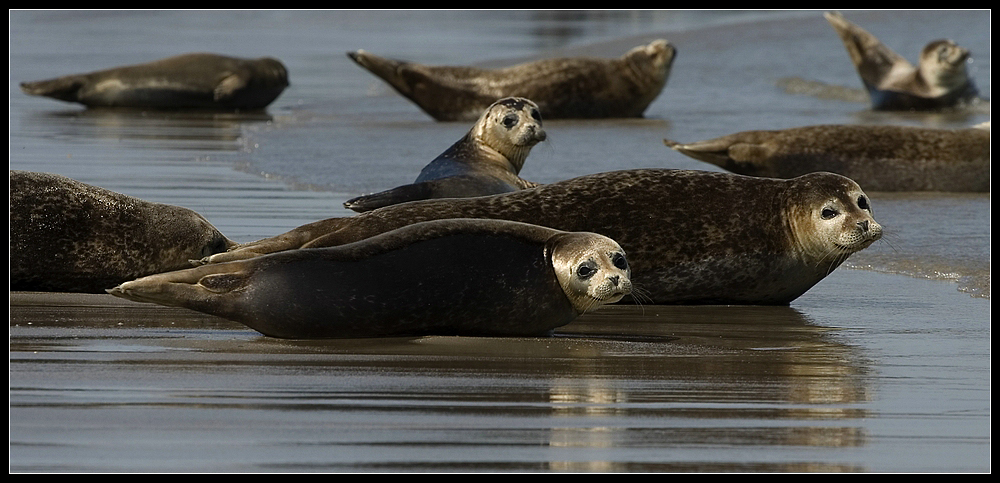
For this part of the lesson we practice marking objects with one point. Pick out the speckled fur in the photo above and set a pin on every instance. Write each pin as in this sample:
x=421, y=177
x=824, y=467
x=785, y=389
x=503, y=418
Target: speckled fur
x=880, y=158
x=67, y=236
x=692, y=237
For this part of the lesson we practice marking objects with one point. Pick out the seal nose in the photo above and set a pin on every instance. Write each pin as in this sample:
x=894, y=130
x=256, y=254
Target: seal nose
x=863, y=225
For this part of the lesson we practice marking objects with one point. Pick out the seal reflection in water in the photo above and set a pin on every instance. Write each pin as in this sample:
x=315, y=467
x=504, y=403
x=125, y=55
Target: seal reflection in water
x=67, y=236
x=184, y=81
x=446, y=277
x=881, y=158
x=940, y=81
x=564, y=88
x=692, y=237
x=486, y=161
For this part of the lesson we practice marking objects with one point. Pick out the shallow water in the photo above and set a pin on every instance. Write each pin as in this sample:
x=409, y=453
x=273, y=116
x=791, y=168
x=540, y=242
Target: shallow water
x=883, y=366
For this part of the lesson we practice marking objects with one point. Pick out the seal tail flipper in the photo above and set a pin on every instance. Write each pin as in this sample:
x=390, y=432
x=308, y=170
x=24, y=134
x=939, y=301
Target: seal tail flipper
x=713, y=151
x=873, y=59
x=401, y=194
x=386, y=69
x=63, y=88
x=191, y=288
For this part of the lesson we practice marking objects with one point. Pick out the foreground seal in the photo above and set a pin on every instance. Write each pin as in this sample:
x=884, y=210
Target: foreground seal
x=564, y=88
x=940, y=81
x=880, y=158
x=486, y=161
x=445, y=277
x=185, y=81
x=67, y=236
x=692, y=237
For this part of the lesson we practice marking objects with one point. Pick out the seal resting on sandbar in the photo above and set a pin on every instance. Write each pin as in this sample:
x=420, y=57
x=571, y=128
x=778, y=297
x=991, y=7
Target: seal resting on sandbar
x=692, y=237
x=185, y=81
x=486, y=161
x=564, y=88
x=68, y=236
x=443, y=277
x=880, y=158
x=893, y=84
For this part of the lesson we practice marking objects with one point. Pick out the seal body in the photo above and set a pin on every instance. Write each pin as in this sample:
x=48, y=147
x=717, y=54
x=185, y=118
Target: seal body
x=692, y=237
x=880, y=158
x=564, y=88
x=185, y=81
x=940, y=81
x=67, y=236
x=486, y=161
x=445, y=277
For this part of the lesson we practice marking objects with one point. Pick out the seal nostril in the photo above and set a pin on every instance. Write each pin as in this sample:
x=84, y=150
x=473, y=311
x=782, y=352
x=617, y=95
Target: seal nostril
x=614, y=280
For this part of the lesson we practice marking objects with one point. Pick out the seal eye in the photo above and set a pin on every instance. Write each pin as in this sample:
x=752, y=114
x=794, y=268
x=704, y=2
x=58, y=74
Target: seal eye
x=619, y=260
x=828, y=213
x=510, y=120
x=862, y=203
x=536, y=115
x=586, y=270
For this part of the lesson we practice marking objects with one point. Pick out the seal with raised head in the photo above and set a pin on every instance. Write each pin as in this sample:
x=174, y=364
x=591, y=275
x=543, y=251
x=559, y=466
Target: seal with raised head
x=443, y=277
x=185, y=81
x=564, y=88
x=68, y=236
x=486, y=161
x=692, y=237
x=880, y=158
x=940, y=81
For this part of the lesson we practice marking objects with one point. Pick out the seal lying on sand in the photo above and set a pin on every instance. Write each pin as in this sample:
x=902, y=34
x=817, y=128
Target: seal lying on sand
x=486, y=161
x=445, y=277
x=893, y=83
x=692, y=237
x=185, y=81
x=880, y=158
x=564, y=88
x=67, y=236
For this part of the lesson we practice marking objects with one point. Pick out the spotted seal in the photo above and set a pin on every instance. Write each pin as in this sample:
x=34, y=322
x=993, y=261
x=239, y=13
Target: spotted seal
x=68, y=236
x=692, y=237
x=442, y=277
x=940, y=81
x=564, y=88
x=485, y=161
x=197, y=80
x=880, y=158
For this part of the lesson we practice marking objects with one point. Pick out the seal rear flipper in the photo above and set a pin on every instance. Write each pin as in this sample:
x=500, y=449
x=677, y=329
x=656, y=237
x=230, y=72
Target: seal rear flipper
x=873, y=59
x=401, y=194
x=385, y=69
x=713, y=151
x=190, y=288
x=63, y=88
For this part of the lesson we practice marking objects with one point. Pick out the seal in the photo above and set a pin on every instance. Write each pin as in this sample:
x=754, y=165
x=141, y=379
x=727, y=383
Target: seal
x=195, y=80
x=692, y=237
x=564, y=88
x=443, y=277
x=880, y=158
x=68, y=236
x=893, y=84
x=485, y=161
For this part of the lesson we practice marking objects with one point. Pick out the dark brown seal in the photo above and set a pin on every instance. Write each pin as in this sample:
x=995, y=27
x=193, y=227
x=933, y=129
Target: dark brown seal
x=184, y=81
x=940, y=81
x=880, y=158
x=67, y=236
x=486, y=161
x=564, y=88
x=692, y=237
x=443, y=277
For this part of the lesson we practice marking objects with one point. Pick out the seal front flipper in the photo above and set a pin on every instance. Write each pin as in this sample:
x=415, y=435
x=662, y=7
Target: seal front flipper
x=229, y=86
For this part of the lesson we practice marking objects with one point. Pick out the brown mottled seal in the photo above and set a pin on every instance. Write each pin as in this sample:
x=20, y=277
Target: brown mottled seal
x=564, y=88
x=67, y=236
x=692, y=237
x=184, y=81
x=940, y=81
x=443, y=277
x=486, y=161
x=880, y=158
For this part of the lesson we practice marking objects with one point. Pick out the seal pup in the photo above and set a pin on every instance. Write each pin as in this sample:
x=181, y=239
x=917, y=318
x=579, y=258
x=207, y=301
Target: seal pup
x=692, y=237
x=486, y=161
x=443, y=277
x=880, y=158
x=185, y=81
x=68, y=236
x=940, y=81
x=564, y=88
